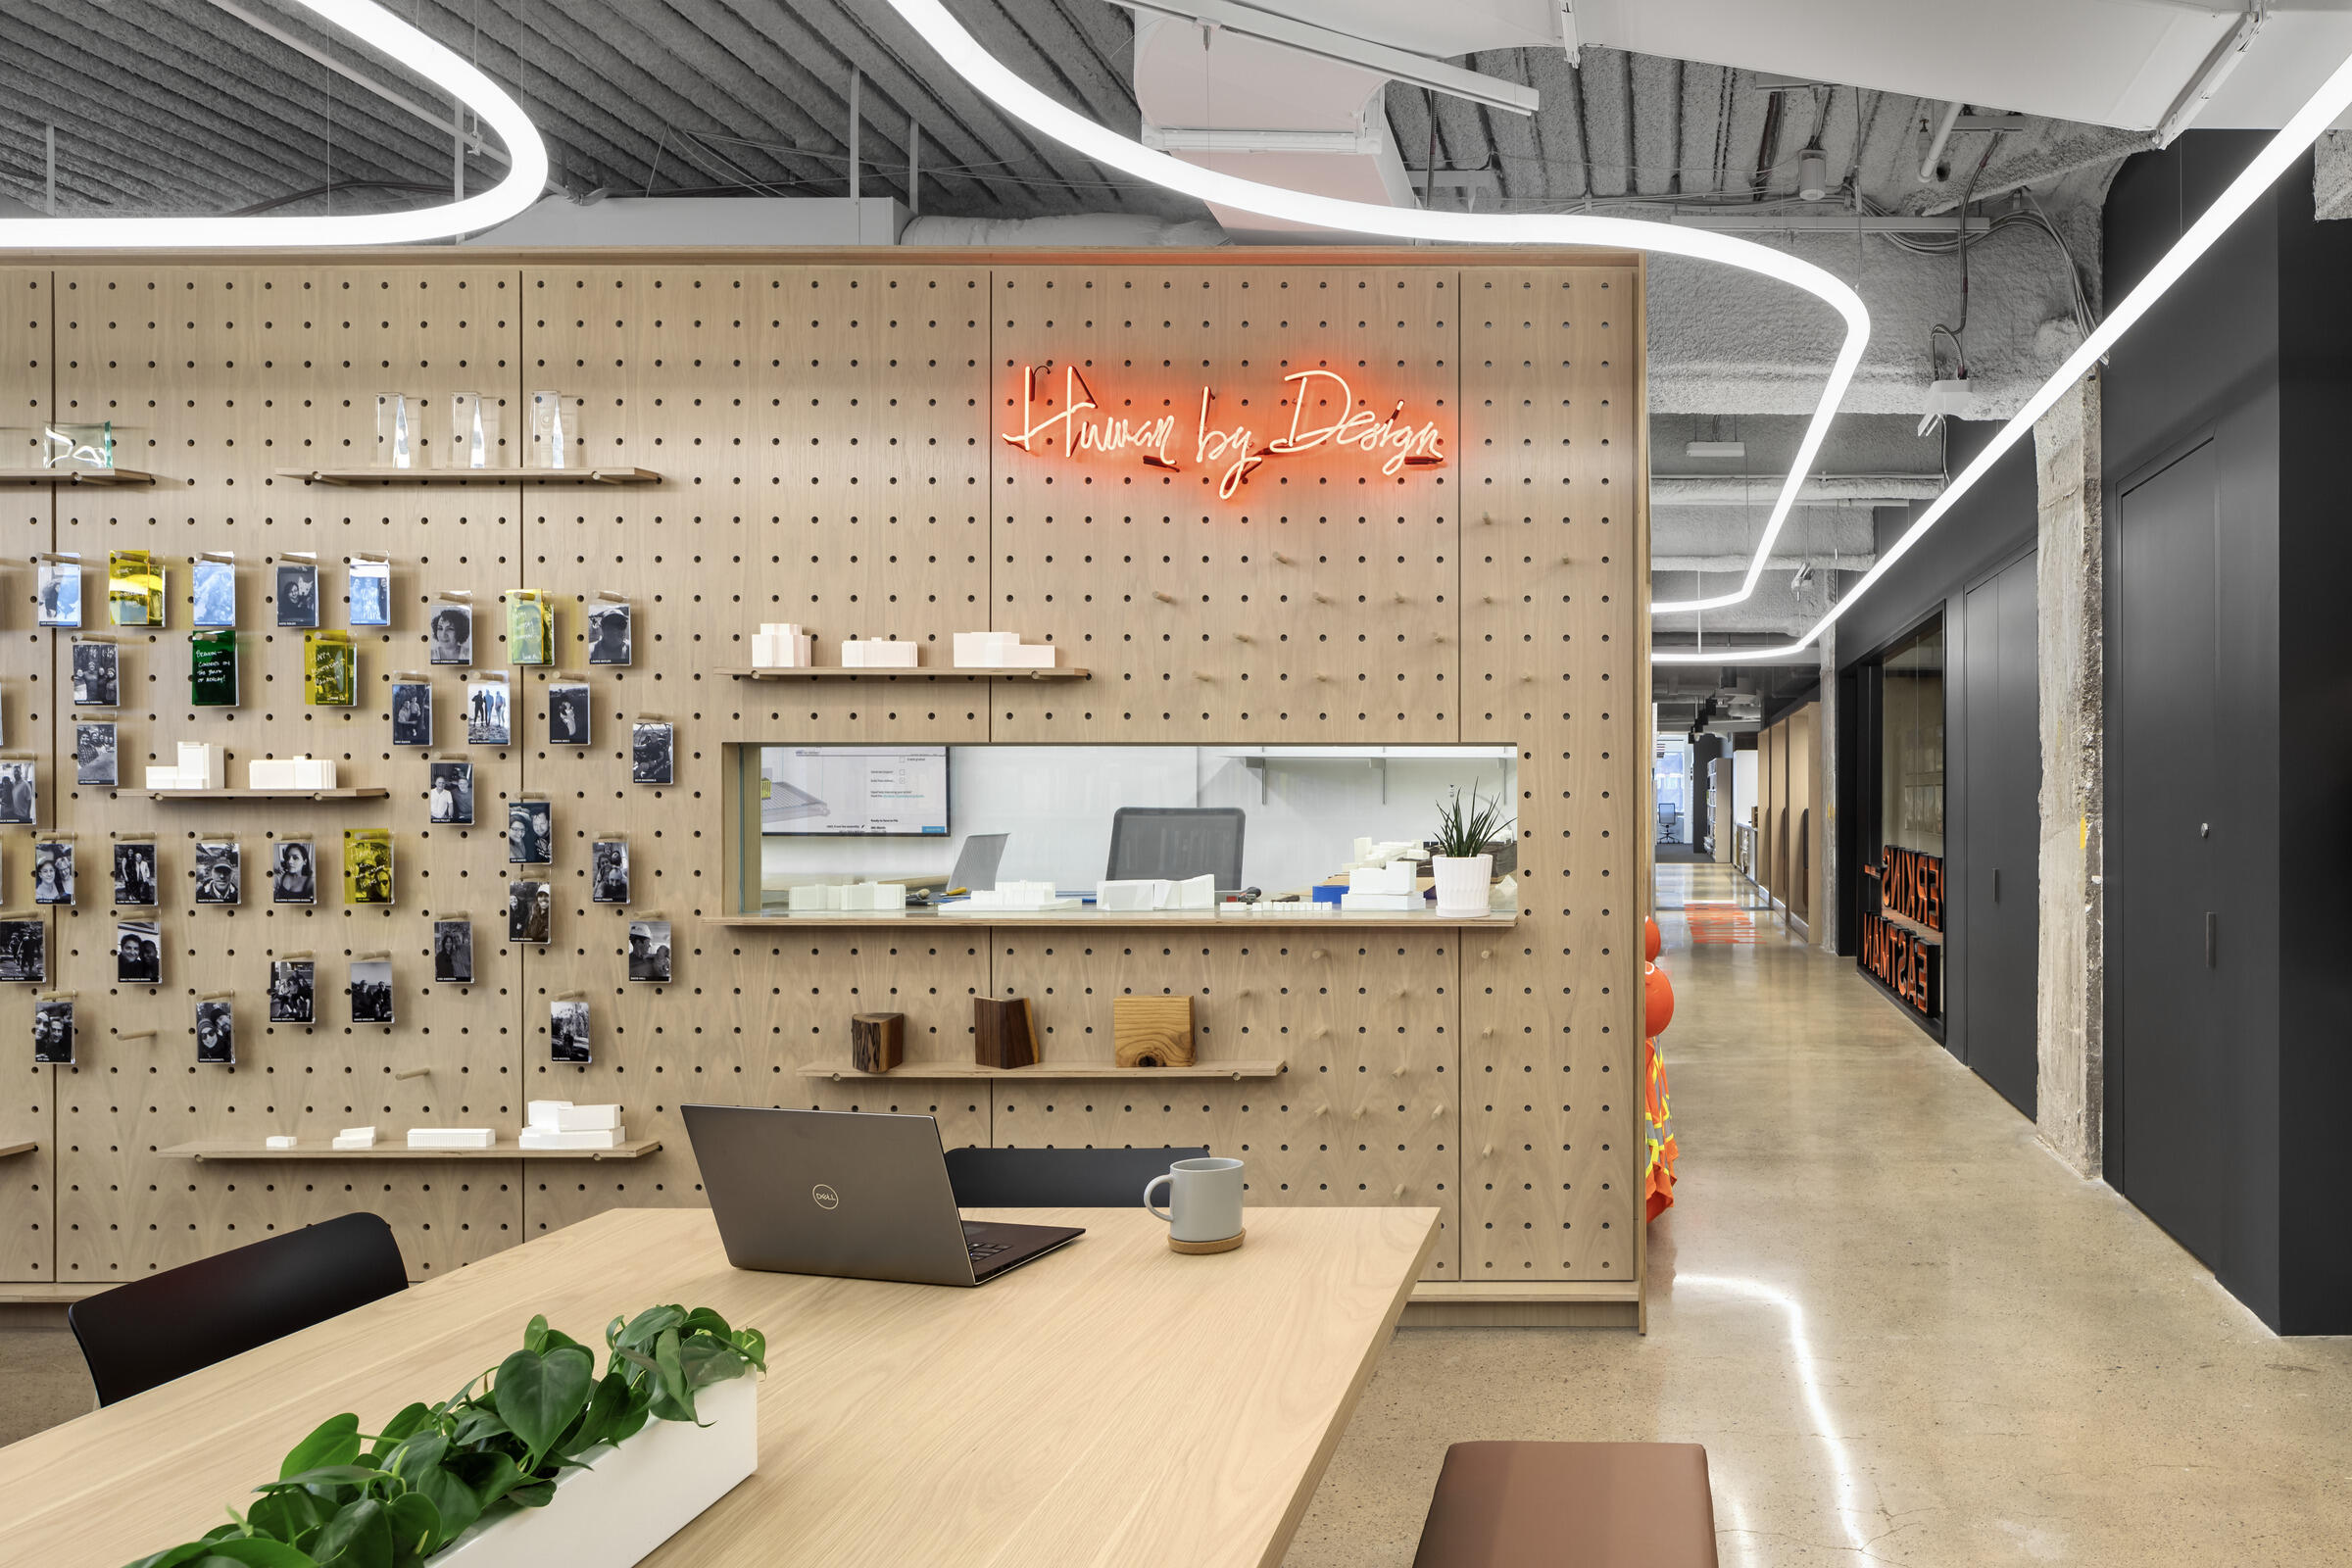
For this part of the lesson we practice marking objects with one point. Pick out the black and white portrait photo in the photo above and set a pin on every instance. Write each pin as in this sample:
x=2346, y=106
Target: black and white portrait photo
x=138, y=953
x=567, y=1032
x=530, y=908
x=648, y=952
x=216, y=1034
x=293, y=873
x=18, y=800
x=449, y=795
x=60, y=588
x=452, y=634
x=488, y=719
x=608, y=871
x=97, y=674
x=134, y=875
x=371, y=991
x=531, y=832
x=609, y=633
x=652, y=747
x=412, y=713
x=24, y=951
x=219, y=871
x=567, y=713
x=94, y=755
x=53, y=1033
x=453, y=953
x=293, y=985
x=53, y=872
x=298, y=593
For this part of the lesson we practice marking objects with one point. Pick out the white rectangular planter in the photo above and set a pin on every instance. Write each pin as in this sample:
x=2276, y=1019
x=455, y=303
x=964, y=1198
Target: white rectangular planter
x=633, y=1499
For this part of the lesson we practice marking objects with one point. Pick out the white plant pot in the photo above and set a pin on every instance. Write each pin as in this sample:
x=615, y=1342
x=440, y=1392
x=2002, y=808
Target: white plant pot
x=1465, y=883
x=633, y=1497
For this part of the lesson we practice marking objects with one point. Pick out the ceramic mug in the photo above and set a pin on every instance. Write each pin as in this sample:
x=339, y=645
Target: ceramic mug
x=1204, y=1200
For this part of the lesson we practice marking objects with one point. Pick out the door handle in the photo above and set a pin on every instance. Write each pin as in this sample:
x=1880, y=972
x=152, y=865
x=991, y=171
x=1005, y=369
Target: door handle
x=2213, y=940
x=1996, y=884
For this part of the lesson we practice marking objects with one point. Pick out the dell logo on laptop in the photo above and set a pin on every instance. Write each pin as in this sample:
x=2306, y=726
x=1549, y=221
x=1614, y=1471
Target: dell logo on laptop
x=826, y=1197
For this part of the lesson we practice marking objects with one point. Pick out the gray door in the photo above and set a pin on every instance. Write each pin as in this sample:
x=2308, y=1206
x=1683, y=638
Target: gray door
x=2002, y=779
x=2164, y=788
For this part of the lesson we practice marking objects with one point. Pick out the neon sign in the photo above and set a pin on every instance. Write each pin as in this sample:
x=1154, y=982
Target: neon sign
x=1390, y=441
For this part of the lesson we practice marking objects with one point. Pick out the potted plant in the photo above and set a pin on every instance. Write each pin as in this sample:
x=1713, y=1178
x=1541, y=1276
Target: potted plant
x=1459, y=855
x=535, y=1461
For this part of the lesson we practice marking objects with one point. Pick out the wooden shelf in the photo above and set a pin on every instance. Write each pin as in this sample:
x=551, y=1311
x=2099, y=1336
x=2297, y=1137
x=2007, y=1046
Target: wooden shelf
x=97, y=476
x=361, y=476
x=237, y=1151
x=1051, y=1071
x=9, y=1150
x=270, y=795
x=1353, y=920
x=920, y=672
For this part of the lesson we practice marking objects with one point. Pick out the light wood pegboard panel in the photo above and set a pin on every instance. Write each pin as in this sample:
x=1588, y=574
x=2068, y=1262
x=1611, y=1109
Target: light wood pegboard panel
x=1366, y=1112
x=1554, y=529
x=1317, y=602
x=27, y=1106
x=820, y=433
x=226, y=374
x=826, y=428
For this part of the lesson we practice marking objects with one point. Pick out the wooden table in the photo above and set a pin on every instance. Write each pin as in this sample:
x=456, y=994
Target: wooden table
x=1113, y=1403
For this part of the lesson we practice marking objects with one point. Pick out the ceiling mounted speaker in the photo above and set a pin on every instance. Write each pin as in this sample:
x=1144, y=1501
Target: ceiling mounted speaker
x=1812, y=174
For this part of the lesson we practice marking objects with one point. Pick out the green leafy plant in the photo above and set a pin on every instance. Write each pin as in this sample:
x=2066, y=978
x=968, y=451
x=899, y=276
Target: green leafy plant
x=347, y=1499
x=1465, y=830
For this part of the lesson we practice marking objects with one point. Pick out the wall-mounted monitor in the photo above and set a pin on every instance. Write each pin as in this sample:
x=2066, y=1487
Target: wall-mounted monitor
x=854, y=791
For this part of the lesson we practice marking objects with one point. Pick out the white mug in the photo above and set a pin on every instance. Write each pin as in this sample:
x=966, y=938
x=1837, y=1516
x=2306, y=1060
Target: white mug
x=1204, y=1200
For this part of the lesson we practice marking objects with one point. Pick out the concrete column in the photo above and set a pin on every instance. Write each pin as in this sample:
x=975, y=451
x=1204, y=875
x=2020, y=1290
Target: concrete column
x=2069, y=1010
x=1825, y=912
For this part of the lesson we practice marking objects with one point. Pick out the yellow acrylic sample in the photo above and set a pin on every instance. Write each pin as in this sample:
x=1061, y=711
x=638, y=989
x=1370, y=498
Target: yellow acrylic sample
x=367, y=865
x=135, y=588
x=330, y=670
x=530, y=627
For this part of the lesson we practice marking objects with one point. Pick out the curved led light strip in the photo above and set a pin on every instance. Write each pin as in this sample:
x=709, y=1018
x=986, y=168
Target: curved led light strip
x=2332, y=99
x=965, y=55
x=371, y=24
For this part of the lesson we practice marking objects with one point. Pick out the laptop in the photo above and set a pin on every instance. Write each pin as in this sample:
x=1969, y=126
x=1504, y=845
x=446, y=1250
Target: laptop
x=855, y=1195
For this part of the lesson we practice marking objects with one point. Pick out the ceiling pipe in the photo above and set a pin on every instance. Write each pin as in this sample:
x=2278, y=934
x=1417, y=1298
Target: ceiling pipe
x=1944, y=134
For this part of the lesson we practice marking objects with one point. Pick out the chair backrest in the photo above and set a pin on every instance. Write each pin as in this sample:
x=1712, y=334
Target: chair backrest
x=167, y=1325
x=1177, y=841
x=1058, y=1178
x=978, y=861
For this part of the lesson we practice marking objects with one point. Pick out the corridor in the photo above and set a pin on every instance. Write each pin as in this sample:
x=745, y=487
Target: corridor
x=1902, y=1330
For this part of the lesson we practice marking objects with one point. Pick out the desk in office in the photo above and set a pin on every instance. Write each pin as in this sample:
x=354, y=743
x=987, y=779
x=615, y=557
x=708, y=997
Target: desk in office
x=1112, y=1403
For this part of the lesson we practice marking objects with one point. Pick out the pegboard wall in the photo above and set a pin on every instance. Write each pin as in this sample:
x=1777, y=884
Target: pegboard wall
x=829, y=432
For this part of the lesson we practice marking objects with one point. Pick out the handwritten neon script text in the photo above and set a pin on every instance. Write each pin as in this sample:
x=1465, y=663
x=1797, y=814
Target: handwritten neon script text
x=1395, y=442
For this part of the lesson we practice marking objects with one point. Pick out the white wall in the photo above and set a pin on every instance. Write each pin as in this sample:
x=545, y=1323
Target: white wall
x=1743, y=795
x=1057, y=802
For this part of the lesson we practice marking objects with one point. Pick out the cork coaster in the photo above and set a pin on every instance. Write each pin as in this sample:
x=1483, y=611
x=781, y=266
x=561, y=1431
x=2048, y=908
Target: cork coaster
x=1196, y=1249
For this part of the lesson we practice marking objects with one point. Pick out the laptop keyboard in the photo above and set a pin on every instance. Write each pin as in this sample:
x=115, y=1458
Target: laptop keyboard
x=981, y=1250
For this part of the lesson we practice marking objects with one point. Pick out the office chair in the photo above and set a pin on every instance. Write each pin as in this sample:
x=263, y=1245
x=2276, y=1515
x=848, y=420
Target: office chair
x=167, y=1325
x=1058, y=1178
x=1175, y=842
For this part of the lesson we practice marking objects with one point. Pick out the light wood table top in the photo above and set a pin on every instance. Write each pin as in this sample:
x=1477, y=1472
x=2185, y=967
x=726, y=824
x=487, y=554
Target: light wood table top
x=1112, y=1404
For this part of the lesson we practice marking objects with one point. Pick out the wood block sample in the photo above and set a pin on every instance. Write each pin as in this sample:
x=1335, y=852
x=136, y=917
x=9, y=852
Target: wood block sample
x=1001, y=1036
x=878, y=1041
x=1152, y=1031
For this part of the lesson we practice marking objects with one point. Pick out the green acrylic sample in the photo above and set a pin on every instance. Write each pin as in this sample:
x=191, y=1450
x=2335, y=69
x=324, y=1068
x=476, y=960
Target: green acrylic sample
x=212, y=668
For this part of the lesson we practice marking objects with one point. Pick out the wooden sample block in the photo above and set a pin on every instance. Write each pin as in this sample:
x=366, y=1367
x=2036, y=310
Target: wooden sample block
x=1151, y=1031
x=1001, y=1035
x=878, y=1041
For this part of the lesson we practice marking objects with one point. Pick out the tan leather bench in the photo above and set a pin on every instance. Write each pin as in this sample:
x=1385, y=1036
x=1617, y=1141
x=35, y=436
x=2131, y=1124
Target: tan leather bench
x=1570, y=1505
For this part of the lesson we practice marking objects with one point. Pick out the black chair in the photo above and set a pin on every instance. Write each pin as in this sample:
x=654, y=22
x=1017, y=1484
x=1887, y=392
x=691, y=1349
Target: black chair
x=1177, y=841
x=167, y=1325
x=1058, y=1178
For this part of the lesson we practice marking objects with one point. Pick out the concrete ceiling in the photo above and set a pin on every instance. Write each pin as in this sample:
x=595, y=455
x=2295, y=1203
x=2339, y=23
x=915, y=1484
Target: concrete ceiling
x=179, y=106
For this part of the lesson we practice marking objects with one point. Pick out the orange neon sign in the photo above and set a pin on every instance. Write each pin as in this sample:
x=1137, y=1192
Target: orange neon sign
x=1393, y=442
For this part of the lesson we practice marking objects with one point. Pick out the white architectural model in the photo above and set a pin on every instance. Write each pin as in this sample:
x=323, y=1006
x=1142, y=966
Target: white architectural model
x=452, y=1138
x=1000, y=649
x=291, y=773
x=201, y=765
x=878, y=654
x=355, y=1138
x=1156, y=892
x=560, y=1125
x=851, y=897
x=782, y=646
x=1390, y=888
x=1030, y=898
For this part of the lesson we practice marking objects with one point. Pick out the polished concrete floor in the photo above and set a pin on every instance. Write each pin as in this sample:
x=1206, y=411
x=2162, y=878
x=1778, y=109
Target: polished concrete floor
x=1903, y=1331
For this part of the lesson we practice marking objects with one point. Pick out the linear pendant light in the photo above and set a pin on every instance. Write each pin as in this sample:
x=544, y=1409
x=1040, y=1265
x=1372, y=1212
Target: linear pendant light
x=395, y=39
x=2293, y=139
x=966, y=57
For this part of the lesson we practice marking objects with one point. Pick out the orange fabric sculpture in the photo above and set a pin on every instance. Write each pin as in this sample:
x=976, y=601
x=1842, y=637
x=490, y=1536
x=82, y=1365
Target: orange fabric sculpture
x=1651, y=941
x=1657, y=1002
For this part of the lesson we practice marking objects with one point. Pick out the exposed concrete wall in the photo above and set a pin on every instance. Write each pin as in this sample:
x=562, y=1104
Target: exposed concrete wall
x=2069, y=1009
